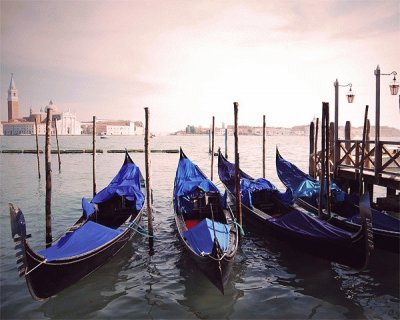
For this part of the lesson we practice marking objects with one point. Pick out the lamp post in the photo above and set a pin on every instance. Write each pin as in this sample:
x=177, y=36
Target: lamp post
x=350, y=99
x=394, y=89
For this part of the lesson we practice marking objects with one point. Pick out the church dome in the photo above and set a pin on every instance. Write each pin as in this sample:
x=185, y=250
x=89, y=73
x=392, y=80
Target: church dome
x=52, y=106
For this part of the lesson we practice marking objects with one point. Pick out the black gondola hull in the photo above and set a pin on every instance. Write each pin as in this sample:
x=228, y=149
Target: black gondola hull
x=352, y=254
x=215, y=271
x=50, y=278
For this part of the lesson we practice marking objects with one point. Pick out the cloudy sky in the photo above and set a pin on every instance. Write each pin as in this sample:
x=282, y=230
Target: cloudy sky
x=189, y=60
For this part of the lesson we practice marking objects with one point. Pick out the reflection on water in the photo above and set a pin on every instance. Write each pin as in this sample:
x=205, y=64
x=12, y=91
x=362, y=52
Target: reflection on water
x=270, y=279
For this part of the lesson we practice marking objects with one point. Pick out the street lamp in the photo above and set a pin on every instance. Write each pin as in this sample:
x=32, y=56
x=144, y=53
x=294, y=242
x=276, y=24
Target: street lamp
x=394, y=85
x=350, y=98
x=394, y=89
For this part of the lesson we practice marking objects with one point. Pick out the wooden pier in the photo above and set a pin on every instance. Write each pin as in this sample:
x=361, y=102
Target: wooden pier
x=380, y=166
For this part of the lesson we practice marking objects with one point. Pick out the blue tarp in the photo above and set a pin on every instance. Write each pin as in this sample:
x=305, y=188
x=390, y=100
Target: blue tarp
x=188, y=181
x=308, y=226
x=88, y=208
x=248, y=185
x=126, y=183
x=201, y=236
x=302, y=184
x=294, y=221
x=88, y=237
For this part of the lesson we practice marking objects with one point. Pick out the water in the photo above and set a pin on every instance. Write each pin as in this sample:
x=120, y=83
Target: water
x=269, y=280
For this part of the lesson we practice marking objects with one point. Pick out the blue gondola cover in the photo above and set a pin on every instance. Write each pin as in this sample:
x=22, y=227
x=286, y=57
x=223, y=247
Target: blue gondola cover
x=126, y=183
x=301, y=223
x=88, y=208
x=88, y=237
x=302, y=184
x=188, y=180
x=201, y=236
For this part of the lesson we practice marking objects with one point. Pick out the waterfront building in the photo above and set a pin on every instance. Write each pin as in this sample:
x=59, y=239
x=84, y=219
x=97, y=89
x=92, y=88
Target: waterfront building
x=113, y=127
x=18, y=128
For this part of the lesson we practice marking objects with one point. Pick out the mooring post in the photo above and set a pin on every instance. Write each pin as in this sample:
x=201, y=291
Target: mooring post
x=237, y=172
x=49, y=237
x=148, y=182
x=209, y=141
x=226, y=143
x=364, y=139
x=328, y=158
x=331, y=147
x=212, y=147
x=94, y=156
x=347, y=138
x=367, y=145
x=37, y=148
x=58, y=148
x=322, y=174
x=263, y=156
x=311, y=151
x=316, y=148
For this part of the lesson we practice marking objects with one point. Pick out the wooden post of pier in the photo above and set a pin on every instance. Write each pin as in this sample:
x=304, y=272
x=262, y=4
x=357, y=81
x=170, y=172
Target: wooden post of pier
x=328, y=157
x=94, y=156
x=364, y=139
x=49, y=237
x=37, y=148
x=148, y=182
x=367, y=146
x=322, y=174
x=226, y=143
x=237, y=167
x=311, y=151
x=264, y=146
x=347, y=138
x=58, y=148
x=212, y=148
x=316, y=148
x=331, y=146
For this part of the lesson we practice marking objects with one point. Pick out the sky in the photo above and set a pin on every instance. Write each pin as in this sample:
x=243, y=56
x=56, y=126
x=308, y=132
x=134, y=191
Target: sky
x=189, y=60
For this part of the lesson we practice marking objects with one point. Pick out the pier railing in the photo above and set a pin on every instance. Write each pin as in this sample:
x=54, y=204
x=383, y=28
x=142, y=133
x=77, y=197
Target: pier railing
x=385, y=161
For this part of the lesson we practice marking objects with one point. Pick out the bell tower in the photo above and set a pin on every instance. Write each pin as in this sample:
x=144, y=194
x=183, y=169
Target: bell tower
x=13, y=104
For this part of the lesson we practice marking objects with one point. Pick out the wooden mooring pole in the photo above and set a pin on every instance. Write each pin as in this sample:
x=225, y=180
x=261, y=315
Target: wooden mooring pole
x=237, y=172
x=49, y=237
x=58, y=148
x=311, y=151
x=94, y=156
x=364, y=139
x=226, y=143
x=37, y=148
x=316, y=148
x=263, y=156
x=347, y=138
x=209, y=141
x=321, y=201
x=212, y=148
x=148, y=182
x=327, y=158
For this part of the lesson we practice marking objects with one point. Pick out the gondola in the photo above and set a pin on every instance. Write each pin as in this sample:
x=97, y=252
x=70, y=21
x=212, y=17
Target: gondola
x=205, y=224
x=107, y=223
x=273, y=213
x=344, y=207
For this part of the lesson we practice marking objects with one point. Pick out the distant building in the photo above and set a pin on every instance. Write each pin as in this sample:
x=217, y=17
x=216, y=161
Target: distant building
x=114, y=127
x=23, y=128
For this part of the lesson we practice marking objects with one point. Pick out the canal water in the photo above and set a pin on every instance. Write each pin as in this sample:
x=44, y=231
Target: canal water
x=269, y=280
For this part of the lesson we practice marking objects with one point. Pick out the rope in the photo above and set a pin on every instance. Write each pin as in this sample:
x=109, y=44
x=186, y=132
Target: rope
x=44, y=261
x=139, y=229
x=240, y=227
